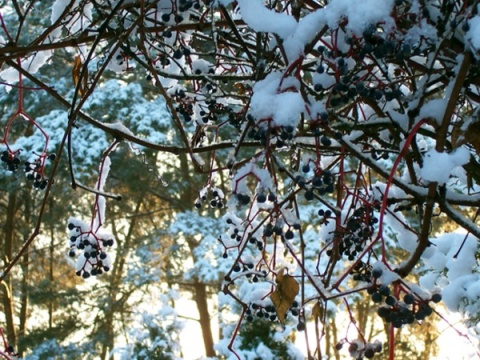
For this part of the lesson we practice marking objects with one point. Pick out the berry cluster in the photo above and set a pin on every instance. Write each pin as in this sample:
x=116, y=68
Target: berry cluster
x=268, y=312
x=236, y=233
x=397, y=312
x=262, y=197
x=216, y=200
x=93, y=259
x=358, y=349
x=182, y=7
x=277, y=229
x=362, y=272
x=211, y=110
x=357, y=231
x=258, y=243
x=247, y=268
x=11, y=160
x=278, y=136
x=185, y=109
x=322, y=183
x=34, y=171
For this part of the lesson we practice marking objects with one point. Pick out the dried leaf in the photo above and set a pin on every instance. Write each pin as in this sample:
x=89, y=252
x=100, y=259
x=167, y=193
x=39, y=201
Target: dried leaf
x=284, y=295
x=240, y=88
x=76, y=71
x=472, y=135
x=317, y=311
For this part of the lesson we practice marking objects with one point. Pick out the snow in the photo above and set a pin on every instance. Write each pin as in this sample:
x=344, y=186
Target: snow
x=387, y=276
x=437, y=166
x=473, y=34
x=454, y=256
x=434, y=108
x=120, y=127
x=298, y=34
x=261, y=19
x=360, y=15
x=284, y=108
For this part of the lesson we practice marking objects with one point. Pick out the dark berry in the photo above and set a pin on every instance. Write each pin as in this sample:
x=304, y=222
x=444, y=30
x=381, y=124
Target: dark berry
x=325, y=141
x=261, y=198
x=301, y=326
x=309, y=196
x=384, y=290
x=409, y=299
x=376, y=297
x=383, y=312
x=369, y=353
x=300, y=180
x=178, y=54
x=390, y=300
x=376, y=273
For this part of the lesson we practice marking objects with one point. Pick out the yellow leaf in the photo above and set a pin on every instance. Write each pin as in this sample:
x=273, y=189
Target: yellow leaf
x=317, y=311
x=76, y=71
x=240, y=88
x=284, y=295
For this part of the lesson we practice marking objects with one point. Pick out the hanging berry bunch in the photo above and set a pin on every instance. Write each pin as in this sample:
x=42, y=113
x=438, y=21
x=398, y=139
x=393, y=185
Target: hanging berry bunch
x=90, y=240
x=93, y=259
x=11, y=159
x=34, y=171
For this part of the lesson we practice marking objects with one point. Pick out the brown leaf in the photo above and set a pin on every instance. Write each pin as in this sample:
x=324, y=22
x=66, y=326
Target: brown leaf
x=317, y=311
x=284, y=295
x=472, y=135
x=76, y=71
x=240, y=88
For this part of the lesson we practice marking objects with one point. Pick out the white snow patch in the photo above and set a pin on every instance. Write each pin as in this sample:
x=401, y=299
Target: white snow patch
x=473, y=34
x=437, y=166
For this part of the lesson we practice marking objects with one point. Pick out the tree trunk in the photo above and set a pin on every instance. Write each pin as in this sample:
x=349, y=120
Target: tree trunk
x=200, y=294
x=200, y=289
x=7, y=282
x=116, y=283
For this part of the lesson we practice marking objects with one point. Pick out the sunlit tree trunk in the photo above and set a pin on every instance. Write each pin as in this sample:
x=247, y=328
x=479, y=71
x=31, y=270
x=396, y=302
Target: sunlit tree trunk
x=200, y=289
x=7, y=282
x=24, y=303
x=201, y=297
x=116, y=304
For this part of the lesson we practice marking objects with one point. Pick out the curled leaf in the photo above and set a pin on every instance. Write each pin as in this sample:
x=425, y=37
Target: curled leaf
x=317, y=311
x=79, y=81
x=284, y=295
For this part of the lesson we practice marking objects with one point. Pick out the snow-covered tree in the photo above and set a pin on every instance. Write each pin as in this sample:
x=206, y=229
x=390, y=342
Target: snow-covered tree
x=336, y=141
